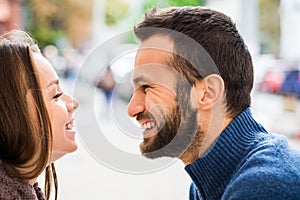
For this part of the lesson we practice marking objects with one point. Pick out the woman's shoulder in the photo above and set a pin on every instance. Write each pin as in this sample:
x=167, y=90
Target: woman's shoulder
x=8, y=190
x=14, y=188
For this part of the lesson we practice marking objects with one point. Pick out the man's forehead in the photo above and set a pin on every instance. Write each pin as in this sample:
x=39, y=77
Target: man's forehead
x=151, y=62
x=154, y=74
x=152, y=56
x=155, y=49
x=154, y=70
x=163, y=42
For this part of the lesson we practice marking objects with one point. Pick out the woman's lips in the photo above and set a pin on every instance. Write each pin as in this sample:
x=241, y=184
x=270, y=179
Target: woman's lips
x=70, y=125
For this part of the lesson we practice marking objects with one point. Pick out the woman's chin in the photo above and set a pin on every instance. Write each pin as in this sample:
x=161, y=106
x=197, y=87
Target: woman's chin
x=57, y=154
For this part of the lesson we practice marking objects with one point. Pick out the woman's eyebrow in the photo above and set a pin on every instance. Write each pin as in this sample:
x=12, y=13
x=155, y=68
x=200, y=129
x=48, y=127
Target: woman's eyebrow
x=54, y=82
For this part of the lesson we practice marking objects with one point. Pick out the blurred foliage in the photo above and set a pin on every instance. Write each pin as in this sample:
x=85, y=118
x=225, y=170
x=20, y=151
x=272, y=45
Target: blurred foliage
x=115, y=11
x=185, y=3
x=51, y=20
x=269, y=26
x=164, y=3
x=161, y=4
x=129, y=38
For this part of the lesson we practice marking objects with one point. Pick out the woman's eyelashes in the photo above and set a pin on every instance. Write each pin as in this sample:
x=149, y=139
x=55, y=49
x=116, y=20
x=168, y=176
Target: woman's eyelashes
x=57, y=95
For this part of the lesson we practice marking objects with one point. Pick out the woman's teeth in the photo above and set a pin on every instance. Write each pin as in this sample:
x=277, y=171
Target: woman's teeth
x=69, y=126
x=148, y=125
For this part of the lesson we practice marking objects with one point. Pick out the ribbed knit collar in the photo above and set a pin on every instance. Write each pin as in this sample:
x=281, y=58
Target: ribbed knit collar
x=214, y=169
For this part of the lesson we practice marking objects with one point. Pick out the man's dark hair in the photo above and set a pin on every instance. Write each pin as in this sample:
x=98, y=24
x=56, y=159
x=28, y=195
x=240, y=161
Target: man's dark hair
x=214, y=32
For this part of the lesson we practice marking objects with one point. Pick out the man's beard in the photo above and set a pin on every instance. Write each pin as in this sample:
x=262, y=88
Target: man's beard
x=175, y=136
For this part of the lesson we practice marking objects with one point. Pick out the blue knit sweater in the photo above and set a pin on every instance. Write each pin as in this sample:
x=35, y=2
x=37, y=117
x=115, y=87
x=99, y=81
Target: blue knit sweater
x=246, y=162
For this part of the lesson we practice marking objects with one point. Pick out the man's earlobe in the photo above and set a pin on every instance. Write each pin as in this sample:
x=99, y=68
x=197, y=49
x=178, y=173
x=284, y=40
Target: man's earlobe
x=208, y=91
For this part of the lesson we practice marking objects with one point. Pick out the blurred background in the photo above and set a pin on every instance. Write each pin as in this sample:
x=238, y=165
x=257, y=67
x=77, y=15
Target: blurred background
x=69, y=32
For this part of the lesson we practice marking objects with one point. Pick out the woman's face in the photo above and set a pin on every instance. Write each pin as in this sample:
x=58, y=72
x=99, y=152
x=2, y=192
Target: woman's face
x=60, y=107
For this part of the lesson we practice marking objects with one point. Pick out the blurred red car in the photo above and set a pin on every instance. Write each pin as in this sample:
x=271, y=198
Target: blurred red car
x=272, y=81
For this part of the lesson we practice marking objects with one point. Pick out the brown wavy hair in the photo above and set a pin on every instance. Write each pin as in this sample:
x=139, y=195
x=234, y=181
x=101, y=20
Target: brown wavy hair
x=25, y=132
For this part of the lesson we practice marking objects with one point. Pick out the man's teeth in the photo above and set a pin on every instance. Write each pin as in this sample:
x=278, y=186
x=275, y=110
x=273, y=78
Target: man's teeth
x=148, y=125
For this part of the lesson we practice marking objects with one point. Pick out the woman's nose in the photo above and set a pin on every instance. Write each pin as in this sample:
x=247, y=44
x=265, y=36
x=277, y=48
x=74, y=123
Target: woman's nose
x=71, y=103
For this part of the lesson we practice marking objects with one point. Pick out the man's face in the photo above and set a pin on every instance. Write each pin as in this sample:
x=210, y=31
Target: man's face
x=158, y=99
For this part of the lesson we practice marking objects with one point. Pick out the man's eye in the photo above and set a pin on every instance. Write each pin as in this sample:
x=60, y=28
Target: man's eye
x=57, y=95
x=145, y=86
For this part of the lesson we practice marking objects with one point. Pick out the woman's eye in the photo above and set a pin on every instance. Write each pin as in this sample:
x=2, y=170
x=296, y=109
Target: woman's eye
x=57, y=95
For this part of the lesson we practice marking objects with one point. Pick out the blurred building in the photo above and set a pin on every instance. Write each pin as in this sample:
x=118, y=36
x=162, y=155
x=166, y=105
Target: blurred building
x=10, y=15
x=290, y=29
x=245, y=14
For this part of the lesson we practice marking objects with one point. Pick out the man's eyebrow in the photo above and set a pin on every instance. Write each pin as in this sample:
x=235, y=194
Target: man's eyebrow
x=140, y=79
x=54, y=82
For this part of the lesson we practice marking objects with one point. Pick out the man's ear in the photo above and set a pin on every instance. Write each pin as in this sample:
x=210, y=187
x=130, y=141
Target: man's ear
x=208, y=91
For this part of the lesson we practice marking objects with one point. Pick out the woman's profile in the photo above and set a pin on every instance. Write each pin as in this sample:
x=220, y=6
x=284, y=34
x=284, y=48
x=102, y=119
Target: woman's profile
x=36, y=119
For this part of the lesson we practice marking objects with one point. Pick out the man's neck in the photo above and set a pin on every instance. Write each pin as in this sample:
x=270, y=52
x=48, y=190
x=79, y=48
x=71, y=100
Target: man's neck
x=208, y=132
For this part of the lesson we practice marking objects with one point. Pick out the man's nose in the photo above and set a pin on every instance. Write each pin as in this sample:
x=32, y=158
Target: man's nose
x=136, y=104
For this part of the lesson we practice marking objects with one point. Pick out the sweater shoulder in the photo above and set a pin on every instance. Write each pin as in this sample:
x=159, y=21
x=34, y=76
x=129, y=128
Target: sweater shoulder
x=194, y=193
x=270, y=171
x=272, y=151
x=263, y=184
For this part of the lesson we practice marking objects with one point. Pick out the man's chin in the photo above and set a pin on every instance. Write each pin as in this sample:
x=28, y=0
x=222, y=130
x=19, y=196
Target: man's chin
x=148, y=150
x=159, y=154
x=152, y=152
x=146, y=147
x=151, y=155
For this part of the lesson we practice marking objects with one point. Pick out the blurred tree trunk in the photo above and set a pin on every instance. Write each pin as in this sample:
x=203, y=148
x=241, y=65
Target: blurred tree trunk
x=269, y=24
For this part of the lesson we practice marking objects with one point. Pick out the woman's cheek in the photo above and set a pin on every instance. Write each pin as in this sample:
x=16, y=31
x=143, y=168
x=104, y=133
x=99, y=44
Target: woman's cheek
x=58, y=114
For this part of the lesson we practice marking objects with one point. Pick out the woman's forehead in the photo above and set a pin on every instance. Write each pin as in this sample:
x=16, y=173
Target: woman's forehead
x=44, y=69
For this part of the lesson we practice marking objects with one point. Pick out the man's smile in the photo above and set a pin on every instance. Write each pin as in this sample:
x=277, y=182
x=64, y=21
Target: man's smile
x=148, y=125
